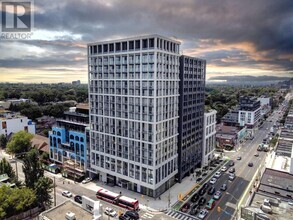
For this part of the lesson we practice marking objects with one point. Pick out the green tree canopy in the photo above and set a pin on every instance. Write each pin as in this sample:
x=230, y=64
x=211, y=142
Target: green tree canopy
x=15, y=200
x=32, y=168
x=3, y=141
x=43, y=188
x=5, y=167
x=19, y=143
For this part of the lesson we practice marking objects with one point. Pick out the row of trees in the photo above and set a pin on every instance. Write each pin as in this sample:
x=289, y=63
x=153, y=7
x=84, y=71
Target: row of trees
x=44, y=93
x=224, y=98
x=36, y=189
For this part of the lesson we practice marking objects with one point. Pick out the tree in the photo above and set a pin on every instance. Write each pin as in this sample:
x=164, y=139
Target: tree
x=15, y=200
x=43, y=189
x=5, y=167
x=32, y=168
x=3, y=141
x=19, y=143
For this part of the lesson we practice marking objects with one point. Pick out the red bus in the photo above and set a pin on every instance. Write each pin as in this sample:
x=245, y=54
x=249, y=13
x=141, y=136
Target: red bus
x=128, y=203
x=117, y=199
x=107, y=195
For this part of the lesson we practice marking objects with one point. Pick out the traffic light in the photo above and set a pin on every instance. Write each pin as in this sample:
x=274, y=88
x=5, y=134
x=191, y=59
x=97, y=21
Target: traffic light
x=219, y=209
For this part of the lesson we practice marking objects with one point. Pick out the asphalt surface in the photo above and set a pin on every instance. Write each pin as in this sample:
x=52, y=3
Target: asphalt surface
x=244, y=174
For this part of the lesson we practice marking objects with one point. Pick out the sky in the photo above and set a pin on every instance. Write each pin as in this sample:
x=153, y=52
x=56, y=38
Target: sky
x=236, y=37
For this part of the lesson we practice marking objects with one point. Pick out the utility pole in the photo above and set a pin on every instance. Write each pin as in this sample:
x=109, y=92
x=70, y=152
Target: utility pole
x=54, y=192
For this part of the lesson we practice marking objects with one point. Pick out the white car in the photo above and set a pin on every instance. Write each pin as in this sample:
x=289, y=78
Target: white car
x=67, y=194
x=86, y=180
x=224, y=169
x=213, y=181
x=202, y=214
x=217, y=195
x=218, y=174
x=232, y=176
x=110, y=212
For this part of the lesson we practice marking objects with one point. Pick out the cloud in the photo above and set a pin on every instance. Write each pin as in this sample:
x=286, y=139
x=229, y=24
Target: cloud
x=233, y=34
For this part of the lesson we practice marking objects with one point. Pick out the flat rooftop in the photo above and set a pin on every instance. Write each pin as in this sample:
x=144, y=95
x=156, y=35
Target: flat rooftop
x=281, y=210
x=286, y=134
x=60, y=211
x=277, y=183
x=284, y=148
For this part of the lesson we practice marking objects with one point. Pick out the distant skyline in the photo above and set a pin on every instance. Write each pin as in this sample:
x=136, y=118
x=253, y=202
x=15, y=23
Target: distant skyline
x=236, y=37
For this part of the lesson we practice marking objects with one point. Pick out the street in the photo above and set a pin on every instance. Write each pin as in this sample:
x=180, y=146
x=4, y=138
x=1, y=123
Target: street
x=244, y=174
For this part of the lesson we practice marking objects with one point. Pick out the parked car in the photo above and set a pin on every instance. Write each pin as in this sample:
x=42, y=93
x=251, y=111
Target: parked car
x=239, y=158
x=202, y=201
x=213, y=180
x=195, y=197
x=223, y=187
x=231, y=163
x=202, y=214
x=211, y=204
x=224, y=168
x=218, y=174
x=86, y=180
x=78, y=199
x=185, y=207
x=124, y=217
x=205, y=186
x=67, y=194
x=232, y=176
x=132, y=214
x=212, y=190
x=111, y=212
x=194, y=210
x=202, y=191
x=232, y=170
x=250, y=164
x=217, y=195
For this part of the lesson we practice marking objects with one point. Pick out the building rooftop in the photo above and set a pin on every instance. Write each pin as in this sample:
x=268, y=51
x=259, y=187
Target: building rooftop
x=60, y=211
x=281, y=210
x=40, y=142
x=284, y=148
x=286, y=134
x=224, y=129
x=277, y=183
x=83, y=106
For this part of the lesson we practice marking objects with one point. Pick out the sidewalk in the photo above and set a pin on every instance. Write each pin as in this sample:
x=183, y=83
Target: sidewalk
x=148, y=203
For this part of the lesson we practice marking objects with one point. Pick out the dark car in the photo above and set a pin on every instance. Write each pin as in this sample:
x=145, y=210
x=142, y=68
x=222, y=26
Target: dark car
x=250, y=164
x=132, y=214
x=195, y=197
x=185, y=207
x=231, y=163
x=211, y=190
x=205, y=186
x=195, y=210
x=202, y=201
x=78, y=199
x=232, y=170
x=202, y=191
x=124, y=217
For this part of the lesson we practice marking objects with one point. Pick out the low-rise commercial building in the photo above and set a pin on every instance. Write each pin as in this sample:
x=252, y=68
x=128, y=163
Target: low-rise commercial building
x=229, y=137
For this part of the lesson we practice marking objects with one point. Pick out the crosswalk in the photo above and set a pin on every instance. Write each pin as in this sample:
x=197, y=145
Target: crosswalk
x=147, y=216
x=178, y=215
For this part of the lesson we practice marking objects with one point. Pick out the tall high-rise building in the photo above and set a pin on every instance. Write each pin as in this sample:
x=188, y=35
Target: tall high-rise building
x=134, y=101
x=191, y=112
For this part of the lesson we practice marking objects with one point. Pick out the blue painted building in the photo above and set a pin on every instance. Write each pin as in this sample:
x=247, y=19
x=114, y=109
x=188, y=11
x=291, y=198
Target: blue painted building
x=68, y=142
